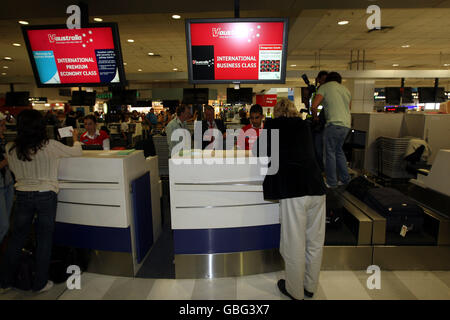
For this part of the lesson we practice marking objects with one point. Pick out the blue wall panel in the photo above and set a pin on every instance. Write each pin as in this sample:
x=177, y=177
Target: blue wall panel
x=142, y=211
x=223, y=240
x=91, y=237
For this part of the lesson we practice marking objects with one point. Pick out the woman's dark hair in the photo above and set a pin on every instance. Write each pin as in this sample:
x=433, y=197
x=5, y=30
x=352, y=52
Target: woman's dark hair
x=92, y=117
x=334, y=76
x=31, y=134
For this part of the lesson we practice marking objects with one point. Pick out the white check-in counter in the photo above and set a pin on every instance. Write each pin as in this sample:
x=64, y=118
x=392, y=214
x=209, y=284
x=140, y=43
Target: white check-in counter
x=222, y=226
x=110, y=203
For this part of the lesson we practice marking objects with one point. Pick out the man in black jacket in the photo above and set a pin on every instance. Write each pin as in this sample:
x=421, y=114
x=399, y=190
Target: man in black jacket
x=211, y=123
x=299, y=187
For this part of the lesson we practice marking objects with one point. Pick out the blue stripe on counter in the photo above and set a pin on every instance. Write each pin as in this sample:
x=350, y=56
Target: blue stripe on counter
x=223, y=240
x=92, y=237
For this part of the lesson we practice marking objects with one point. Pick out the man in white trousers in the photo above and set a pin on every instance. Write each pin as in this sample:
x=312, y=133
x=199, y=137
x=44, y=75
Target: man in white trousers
x=299, y=187
x=301, y=244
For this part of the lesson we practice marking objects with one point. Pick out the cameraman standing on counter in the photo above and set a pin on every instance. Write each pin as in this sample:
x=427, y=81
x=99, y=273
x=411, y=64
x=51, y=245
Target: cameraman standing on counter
x=336, y=101
x=318, y=127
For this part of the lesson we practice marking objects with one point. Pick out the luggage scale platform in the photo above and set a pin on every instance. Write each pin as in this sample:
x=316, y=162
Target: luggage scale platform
x=426, y=250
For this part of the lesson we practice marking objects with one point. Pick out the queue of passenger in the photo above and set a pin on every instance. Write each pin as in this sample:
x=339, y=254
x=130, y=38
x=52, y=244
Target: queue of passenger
x=30, y=163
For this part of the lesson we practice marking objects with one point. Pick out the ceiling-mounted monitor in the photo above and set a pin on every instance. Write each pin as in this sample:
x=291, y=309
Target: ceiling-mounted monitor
x=83, y=98
x=123, y=97
x=195, y=96
x=242, y=50
x=431, y=95
x=242, y=95
x=143, y=104
x=17, y=99
x=62, y=57
x=393, y=95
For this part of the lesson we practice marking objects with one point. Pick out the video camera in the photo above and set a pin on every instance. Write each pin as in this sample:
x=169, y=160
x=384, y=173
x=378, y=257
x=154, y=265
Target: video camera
x=311, y=88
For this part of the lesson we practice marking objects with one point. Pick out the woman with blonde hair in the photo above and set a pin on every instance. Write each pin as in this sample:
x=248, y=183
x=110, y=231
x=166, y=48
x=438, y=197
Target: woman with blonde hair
x=299, y=187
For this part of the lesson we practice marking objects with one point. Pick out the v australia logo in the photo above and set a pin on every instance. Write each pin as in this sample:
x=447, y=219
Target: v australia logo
x=216, y=32
x=219, y=33
x=53, y=38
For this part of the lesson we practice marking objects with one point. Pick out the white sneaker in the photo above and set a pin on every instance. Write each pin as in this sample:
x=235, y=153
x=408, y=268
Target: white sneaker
x=47, y=287
x=328, y=186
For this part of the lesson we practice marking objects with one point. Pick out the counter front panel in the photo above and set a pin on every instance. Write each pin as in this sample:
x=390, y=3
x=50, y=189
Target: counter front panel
x=226, y=240
x=220, y=208
x=109, y=203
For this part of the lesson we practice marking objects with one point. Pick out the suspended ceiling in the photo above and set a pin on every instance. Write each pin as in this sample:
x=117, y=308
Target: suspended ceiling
x=316, y=41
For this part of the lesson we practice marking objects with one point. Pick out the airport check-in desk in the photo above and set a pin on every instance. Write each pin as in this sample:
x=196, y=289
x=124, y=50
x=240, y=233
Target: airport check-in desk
x=223, y=227
x=109, y=203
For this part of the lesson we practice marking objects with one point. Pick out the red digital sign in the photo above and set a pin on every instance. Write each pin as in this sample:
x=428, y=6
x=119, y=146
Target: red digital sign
x=64, y=57
x=266, y=100
x=237, y=50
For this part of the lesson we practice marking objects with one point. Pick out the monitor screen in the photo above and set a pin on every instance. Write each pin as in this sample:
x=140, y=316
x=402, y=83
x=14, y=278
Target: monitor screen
x=172, y=104
x=64, y=92
x=123, y=97
x=242, y=95
x=195, y=96
x=427, y=95
x=143, y=103
x=393, y=95
x=62, y=57
x=244, y=50
x=407, y=96
x=17, y=99
x=83, y=98
x=129, y=97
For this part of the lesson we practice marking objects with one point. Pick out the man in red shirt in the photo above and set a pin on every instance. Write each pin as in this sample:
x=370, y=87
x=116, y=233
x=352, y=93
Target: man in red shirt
x=251, y=131
x=93, y=136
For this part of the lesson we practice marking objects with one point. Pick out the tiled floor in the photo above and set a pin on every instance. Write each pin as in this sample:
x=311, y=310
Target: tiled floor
x=333, y=285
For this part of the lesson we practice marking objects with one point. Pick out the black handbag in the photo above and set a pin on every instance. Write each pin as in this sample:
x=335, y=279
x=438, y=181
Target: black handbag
x=26, y=271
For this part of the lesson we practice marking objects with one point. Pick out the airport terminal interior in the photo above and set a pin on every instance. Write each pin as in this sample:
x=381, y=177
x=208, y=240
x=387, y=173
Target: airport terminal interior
x=140, y=221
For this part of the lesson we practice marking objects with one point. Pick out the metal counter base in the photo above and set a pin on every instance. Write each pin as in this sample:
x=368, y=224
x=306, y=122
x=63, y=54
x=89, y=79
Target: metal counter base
x=430, y=258
x=346, y=257
x=210, y=266
x=200, y=266
x=111, y=263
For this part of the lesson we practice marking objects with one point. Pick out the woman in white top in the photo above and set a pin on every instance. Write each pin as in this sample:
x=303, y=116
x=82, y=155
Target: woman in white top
x=34, y=160
x=6, y=183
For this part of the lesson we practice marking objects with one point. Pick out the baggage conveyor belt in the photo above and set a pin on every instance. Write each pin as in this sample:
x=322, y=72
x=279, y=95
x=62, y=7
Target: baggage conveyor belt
x=427, y=250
